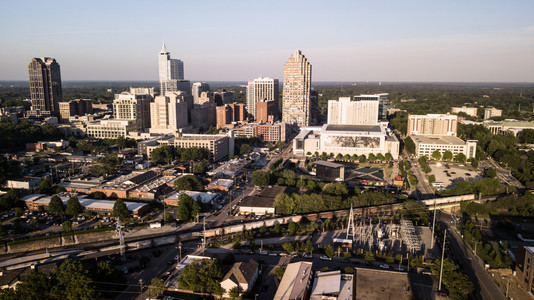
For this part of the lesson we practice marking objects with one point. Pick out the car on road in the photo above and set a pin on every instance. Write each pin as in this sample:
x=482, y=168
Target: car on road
x=273, y=254
x=384, y=266
x=264, y=252
x=442, y=293
x=324, y=257
x=307, y=256
x=467, y=174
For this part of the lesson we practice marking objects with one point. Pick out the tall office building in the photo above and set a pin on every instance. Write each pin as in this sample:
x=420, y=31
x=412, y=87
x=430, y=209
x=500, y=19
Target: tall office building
x=382, y=103
x=347, y=112
x=134, y=107
x=78, y=107
x=171, y=73
x=261, y=89
x=197, y=88
x=432, y=124
x=223, y=97
x=296, y=94
x=169, y=113
x=45, y=86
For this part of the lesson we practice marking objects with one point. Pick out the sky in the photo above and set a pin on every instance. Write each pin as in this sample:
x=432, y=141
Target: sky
x=400, y=41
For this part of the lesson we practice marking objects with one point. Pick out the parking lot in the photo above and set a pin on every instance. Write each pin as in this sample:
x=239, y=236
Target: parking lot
x=449, y=174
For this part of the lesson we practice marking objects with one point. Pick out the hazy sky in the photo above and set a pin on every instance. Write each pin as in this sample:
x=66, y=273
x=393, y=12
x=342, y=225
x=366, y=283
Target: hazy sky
x=426, y=40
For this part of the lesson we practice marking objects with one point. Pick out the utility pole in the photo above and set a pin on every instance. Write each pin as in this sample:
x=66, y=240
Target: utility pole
x=121, y=239
x=180, y=250
x=261, y=247
x=442, y=257
x=204, y=235
x=433, y=226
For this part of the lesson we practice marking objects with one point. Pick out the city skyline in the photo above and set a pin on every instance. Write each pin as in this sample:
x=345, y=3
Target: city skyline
x=397, y=42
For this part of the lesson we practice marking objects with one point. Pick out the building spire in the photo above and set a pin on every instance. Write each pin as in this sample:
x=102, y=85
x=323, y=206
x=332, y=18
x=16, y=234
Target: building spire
x=163, y=49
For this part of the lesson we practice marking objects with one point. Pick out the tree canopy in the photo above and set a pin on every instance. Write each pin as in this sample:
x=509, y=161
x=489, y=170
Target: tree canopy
x=120, y=209
x=73, y=206
x=187, y=183
x=201, y=276
x=161, y=155
x=56, y=205
x=188, y=208
x=260, y=178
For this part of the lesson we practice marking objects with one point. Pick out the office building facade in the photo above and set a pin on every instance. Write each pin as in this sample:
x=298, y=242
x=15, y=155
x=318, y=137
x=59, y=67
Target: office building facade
x=492, y=112
x=45, y=86
x=230, y=114
x=135, y=107
x=197, y=88
x=78, y=107
x=261, y=89
x=296, y=92
x=169, y=113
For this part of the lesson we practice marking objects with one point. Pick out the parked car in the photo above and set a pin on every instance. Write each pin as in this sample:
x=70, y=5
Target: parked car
x=307, y=255
x=324, y=257
x=442, y=293
x=264, y=252
x=384, y=266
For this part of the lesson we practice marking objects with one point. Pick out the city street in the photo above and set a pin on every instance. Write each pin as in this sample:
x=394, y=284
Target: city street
x=485, y=287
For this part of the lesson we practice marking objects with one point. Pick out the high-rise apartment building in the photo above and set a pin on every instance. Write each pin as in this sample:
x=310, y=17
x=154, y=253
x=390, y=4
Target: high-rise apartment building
x=171, y=73
x=230, y=114
x=382, y=103
x=261, y=89
x=45, y=86
x=169, y=113
x=296, y=93
x=432, y=124
x=471, y=111
x=204, y=114
x=347, y=112
x=266, y=111
x=197, y=88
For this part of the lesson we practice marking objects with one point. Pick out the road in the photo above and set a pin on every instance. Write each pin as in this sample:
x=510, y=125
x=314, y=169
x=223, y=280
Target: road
x=485, y=287
x=503, y=174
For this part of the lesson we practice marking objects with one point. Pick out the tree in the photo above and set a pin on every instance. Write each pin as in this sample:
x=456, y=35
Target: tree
x=431, y=179
x=308, y=247
x=369, y=256
x=245, y=149
x=436, y=155
x=371, y=157
x=292, y=228
x=120, y=209
x=279, y=272
x=66, y=227
x=380, y=157
x=410, y=145
x=72, y=281
x=188, y=208
x=457, y=283
x=447, y=155
x=336, y=189
x=9, y=200
x=280, y=145
x=388, y=156
x=329, y=251
x=234, y=292
x=157, y=286
x=73, y=206
x=55, y=206
x=45, y=187
x=161, y=155
x=201, y=276
x=490, y=173
x=460, y=157
x=187, y=183
x=260, y=178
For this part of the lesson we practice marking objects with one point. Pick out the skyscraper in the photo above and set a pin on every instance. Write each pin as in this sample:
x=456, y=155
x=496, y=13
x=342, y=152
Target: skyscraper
x=261, y=89
x=169, y=113
x=171, y=72
x=45, y=86
x=296, y=95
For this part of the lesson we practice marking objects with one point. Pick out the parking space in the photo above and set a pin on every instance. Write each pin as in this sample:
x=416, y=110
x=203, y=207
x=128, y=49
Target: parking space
x=449, y=174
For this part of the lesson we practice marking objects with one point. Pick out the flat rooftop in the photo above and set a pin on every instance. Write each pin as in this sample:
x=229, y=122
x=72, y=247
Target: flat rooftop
x=437, y=140
x=366, y=128
x=328, y=164
x=255, y=201
x=204, y=197
x=384, y=284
